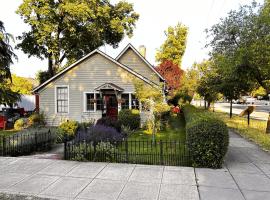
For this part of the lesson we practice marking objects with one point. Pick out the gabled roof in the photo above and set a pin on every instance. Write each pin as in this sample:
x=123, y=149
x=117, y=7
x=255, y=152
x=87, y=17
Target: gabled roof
x=87, y=56
x=109, y=86
x=130, y=46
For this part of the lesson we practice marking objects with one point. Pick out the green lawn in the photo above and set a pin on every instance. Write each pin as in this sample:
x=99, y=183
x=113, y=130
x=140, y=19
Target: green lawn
x=254, y=132
x=168, y=148
x=174, y=131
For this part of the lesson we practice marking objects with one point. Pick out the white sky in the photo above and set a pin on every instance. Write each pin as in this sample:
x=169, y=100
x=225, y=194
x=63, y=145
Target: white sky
x=155, y=17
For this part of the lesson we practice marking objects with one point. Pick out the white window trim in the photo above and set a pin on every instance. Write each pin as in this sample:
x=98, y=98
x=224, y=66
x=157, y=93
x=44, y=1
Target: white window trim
x=55, y=98
x=84, y=102
x=130, y=100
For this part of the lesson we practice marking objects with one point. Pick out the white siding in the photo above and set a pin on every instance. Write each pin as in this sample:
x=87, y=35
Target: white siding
x=84, y=77
x=133, y=61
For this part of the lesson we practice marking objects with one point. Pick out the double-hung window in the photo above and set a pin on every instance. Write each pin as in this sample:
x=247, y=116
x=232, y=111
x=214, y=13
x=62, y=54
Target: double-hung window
x=94, y=102
x=125, y=101
x=90, y=102
x=62, y=99
x=99, y=101
x=134, y=102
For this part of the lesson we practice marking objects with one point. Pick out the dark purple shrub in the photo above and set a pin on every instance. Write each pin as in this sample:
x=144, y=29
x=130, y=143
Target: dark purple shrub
x=108, y=121
x=99, y=133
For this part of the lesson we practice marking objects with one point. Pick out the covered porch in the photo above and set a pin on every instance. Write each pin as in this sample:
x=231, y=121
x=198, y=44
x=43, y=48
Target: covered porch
x=108, y=99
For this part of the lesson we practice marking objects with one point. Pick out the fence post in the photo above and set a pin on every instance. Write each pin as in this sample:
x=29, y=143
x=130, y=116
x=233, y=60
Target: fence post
x=4, y=145
x=36, y=145
x=161, y=152
x=126, y=148
x=65, y=147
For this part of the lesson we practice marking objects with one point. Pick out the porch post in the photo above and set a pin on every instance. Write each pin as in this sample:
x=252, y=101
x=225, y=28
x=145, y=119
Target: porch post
x=119, y=103
x=130, y=99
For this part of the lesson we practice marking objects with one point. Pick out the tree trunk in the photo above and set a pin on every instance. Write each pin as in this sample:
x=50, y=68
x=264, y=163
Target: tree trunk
x=268, y=125
x=50, y=66
x=208, y=105
x=231, y=108
x=205, y=104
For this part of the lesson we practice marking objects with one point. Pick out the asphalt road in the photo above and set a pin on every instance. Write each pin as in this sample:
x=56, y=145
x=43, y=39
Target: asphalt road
x=261, y=108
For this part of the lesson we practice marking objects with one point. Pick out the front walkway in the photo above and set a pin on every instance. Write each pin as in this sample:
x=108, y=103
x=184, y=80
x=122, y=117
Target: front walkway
x=246, y=175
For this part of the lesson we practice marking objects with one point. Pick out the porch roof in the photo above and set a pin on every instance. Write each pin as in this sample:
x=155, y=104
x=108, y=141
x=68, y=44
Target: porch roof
x=109, y=86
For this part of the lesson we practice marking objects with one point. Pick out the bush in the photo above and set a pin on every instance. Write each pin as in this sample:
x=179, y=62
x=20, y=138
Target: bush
x=99, y=133
x=68, y=128
x=111, y=122
x=36, y=119
x=20, y=124
x=85, y=125
x=130, y=118
x=207, y=137
x=102, y=152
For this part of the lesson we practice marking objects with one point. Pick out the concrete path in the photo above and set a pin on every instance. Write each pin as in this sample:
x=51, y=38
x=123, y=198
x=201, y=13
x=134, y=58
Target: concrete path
x=246, y=175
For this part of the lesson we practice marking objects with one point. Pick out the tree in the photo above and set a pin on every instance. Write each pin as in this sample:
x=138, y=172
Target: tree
x=7, y=96
x=174, y=46
x=21, y=85
x=234, y=79
x=259, y=92
x=208, y=83
x=172, y=74
x=68, y=29
x=243, y=36
x=153, y=100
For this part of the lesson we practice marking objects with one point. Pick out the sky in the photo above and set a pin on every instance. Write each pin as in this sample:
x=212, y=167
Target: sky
x=155, y=17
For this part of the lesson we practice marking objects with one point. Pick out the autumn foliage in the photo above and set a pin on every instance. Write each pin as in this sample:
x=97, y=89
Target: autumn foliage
x=172, y=74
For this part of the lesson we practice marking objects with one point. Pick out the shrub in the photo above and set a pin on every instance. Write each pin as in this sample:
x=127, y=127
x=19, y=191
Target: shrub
x=85, y=125
x=36, y=119
x=68, y=128
x=20, y=124
x=102, y=152
x=130, y=118
x=207, y=137
x=111, y=122
x=100, y=133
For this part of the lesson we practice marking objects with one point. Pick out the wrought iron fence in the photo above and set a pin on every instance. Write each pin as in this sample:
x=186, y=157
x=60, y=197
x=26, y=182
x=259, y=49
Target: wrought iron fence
x=173, y=153
x=25, y=143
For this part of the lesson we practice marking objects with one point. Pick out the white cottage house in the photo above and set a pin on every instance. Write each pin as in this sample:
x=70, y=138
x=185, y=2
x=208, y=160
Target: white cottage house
x=96, y=85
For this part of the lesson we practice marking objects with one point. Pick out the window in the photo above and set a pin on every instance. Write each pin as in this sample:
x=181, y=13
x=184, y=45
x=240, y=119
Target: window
x=62, y=99
x=125, y=101
x=90, y=102
x=99, y=101
x=134, y=102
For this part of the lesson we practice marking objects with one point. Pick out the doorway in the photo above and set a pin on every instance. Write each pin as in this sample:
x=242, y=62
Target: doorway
x=111, y=105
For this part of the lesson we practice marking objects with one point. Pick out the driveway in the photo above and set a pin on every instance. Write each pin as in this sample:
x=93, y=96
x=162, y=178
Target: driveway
x=246, y=175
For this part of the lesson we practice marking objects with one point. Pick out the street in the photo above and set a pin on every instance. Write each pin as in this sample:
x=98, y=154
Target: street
x=261, y=108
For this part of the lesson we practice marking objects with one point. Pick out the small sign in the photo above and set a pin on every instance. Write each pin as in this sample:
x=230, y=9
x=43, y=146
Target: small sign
x=247, y=111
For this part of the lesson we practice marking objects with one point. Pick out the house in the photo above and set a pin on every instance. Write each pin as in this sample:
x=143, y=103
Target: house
x=95, y=86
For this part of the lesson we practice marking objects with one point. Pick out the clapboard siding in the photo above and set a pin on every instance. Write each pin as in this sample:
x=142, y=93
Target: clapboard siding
x=133, y=61
x=85, y=77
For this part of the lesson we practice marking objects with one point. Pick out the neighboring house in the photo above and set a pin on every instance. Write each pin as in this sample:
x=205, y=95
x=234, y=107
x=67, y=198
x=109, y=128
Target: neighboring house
x=96, y=85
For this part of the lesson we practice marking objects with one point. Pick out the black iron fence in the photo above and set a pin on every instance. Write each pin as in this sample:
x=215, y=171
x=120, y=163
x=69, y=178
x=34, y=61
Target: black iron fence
x=25, y=143
x=138, y=152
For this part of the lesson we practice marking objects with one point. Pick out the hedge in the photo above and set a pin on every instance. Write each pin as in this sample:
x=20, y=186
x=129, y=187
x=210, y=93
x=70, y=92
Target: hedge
x=207, y=137
x=130, y=118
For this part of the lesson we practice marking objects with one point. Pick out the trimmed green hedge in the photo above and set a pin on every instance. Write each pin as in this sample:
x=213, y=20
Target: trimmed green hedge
x=207, y=137
x=130, y=118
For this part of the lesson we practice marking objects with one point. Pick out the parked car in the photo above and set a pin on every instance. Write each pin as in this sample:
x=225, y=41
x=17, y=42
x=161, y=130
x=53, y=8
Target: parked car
x=251, y=100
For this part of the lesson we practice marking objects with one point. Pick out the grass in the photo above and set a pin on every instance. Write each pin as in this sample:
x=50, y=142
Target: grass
x=175, y=131
x=254, y=132
x=141, y=149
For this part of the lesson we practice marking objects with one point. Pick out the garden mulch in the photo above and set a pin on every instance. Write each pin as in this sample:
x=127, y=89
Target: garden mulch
x=245, y=175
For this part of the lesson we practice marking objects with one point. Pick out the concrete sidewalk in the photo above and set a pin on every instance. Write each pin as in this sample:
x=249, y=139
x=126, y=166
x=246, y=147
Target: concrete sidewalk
x=246, y=175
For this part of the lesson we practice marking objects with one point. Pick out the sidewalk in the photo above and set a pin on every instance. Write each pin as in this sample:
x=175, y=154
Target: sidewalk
x=246, y=175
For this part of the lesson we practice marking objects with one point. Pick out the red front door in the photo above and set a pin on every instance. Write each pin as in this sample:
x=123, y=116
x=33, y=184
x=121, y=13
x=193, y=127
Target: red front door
x=111, y=106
